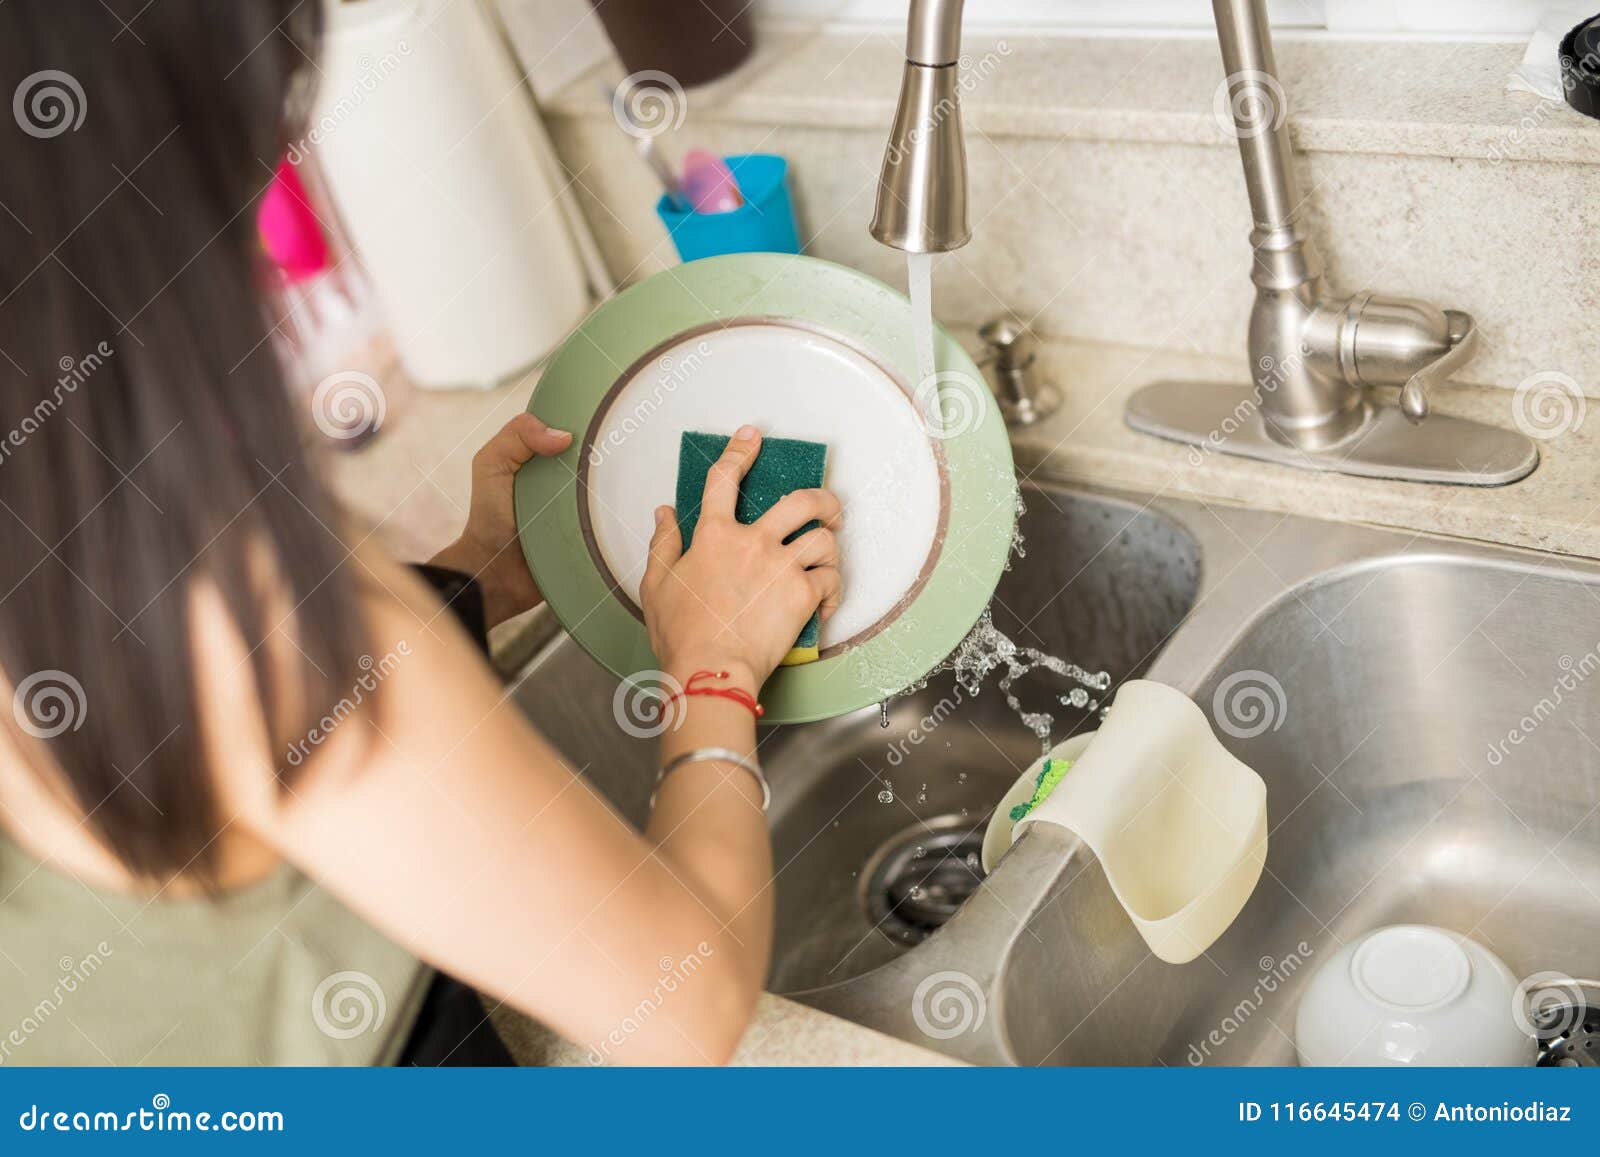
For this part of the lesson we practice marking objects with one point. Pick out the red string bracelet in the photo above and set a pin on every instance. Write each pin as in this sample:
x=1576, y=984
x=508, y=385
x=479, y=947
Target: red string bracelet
x=693, y=687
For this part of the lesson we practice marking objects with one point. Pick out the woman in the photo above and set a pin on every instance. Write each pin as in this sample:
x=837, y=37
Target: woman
x=194, y=867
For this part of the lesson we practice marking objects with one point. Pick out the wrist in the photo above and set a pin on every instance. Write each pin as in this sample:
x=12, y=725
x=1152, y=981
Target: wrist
x=732, y=673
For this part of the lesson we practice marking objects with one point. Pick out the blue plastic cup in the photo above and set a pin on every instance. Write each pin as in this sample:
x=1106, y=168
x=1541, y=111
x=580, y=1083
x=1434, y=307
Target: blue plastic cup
x=763, y=224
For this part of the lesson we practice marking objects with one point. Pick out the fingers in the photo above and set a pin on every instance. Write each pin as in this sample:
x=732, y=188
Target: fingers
x=666, y=547
x=826, y=586
x=517, y=441
x=797, y=508
x=818, y=547
x=722, y=481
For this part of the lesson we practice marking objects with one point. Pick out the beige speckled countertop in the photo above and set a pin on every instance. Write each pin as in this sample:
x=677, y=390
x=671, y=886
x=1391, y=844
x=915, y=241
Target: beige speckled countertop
x=1556, y=508
x=1409, y=98
x=782, y=1033
x=412, y=482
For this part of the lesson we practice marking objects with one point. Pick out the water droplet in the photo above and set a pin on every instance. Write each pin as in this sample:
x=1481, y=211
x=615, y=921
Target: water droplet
x=987, y=650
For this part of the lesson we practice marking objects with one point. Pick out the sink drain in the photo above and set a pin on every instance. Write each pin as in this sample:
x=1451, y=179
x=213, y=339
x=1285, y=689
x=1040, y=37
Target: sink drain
x=917, y=878
x=1569, y=1033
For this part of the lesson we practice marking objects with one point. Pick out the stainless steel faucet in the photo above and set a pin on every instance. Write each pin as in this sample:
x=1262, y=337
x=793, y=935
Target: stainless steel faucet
x=1314, y=354
x=922, y=189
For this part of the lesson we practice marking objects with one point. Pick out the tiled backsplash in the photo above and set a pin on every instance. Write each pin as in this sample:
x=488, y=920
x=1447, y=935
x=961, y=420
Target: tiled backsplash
x=1108, y=204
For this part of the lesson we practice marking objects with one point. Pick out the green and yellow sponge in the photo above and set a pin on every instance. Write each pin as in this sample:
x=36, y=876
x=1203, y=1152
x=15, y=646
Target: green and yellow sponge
x=1049, y=775
x=783, y=465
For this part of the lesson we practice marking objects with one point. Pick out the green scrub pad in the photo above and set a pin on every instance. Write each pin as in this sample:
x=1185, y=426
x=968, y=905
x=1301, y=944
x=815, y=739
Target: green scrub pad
x=1049, y=776
x=784, y=464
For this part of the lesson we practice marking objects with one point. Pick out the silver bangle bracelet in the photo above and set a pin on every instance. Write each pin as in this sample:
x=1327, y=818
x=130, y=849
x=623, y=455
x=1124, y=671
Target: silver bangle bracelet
x=714, y=755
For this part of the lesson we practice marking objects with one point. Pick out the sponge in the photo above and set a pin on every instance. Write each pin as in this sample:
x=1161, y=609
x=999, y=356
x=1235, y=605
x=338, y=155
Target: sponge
x=1049, y=775
x=783, y=465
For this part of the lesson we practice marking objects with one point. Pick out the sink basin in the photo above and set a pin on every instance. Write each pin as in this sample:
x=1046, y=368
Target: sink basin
x=877, y=830
x=1425, y=712
x=1103, y=583
x=1377, y=702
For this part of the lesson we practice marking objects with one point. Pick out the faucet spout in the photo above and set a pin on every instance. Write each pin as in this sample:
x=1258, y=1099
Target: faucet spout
x=922, y=187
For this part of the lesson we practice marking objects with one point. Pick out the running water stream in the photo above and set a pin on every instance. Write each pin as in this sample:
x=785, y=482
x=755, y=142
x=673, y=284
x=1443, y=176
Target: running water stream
x=986, y=649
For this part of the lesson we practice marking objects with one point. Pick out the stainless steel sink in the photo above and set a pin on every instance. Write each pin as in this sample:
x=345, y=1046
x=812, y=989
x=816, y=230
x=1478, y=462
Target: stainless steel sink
x=1426, y=714
x=876, y=830
x=1103, y=583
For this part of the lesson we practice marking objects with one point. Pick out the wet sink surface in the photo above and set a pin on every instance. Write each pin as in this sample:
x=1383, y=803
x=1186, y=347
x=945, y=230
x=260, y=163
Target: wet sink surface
x=1425, y=712
x=1102, y=584
x=876, y=830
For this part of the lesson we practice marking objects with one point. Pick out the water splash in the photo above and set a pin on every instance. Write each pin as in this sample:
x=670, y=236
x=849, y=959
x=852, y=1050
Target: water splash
x=987, y=650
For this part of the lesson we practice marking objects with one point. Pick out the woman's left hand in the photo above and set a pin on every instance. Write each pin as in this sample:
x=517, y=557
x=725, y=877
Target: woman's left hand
x=488, y=548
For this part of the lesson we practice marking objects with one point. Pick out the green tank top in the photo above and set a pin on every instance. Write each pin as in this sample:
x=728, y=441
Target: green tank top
x=278, y=973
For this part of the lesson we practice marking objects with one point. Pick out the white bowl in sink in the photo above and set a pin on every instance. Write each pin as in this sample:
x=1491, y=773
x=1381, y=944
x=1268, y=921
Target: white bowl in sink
x=1411, y=994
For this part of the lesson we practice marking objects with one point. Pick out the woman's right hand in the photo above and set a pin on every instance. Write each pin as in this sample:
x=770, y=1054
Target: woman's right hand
x=738, y=598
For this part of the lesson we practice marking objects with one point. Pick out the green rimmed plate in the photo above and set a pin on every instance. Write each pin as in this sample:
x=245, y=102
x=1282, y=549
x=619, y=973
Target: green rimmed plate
x=802, y=348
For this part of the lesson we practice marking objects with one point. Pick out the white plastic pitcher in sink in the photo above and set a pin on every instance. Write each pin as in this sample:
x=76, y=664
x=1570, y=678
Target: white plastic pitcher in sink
x=1178, y=823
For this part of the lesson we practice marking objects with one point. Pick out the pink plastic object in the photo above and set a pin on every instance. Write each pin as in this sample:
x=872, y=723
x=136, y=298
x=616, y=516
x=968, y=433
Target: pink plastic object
x=289, y=229
x=708, y=183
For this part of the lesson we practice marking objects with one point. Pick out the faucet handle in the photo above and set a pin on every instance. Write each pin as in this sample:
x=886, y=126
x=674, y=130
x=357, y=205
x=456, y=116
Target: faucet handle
x=1463, y=333
x=1405, y=342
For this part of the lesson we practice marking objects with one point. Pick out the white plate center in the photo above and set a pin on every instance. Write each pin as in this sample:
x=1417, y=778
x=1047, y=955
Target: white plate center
x=790, y=383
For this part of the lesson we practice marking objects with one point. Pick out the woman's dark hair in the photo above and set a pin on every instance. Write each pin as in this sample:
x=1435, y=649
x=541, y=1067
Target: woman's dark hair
x=147, y=441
